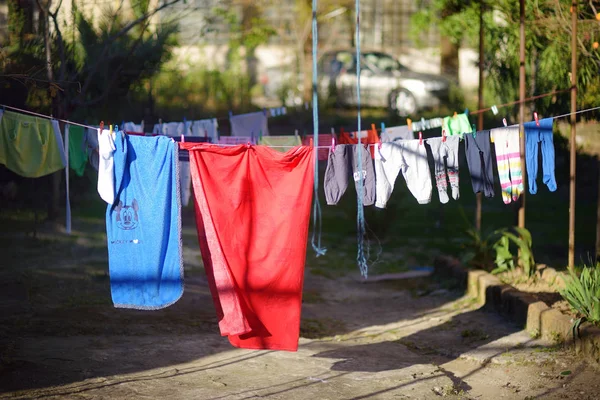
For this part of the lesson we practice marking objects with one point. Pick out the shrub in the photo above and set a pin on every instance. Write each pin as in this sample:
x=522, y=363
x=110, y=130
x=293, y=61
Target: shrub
x=583, y=294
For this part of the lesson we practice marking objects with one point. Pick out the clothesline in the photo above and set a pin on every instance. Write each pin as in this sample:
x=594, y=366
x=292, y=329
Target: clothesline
x=318, y=147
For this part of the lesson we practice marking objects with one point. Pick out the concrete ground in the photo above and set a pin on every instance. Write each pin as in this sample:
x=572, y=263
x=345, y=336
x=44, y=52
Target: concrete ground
x=60, y=337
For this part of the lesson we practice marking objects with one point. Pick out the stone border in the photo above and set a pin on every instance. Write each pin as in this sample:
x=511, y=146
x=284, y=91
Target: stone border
x=522, y=308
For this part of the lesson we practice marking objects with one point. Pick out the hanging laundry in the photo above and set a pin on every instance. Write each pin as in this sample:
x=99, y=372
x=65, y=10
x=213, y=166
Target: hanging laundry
x=173, y=129
x=106, y=175
x=479, y=160
x=251, y=124
x=133, y=127
x=91, y=142
x=394, y=133
x=283, y=143
x=341, y=161
x=185, y=177
x=457, y=125
x=78, y=156
x=540, y=134
x=252, y=213
x=29, y=146
x=235, y=140
x=323, y=139
x=144, y=224
x=424, y=124
x=206, y=128
x=410, y=157
x=445, y=150
x=508, y=158
x=367, y=137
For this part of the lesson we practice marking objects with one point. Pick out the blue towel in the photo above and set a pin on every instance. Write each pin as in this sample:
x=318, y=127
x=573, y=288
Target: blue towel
x=144, y=224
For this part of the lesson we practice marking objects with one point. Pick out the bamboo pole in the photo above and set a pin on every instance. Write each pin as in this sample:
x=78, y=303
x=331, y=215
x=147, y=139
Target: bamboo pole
x=521, y=221
x=479, y=107
x=573, y=153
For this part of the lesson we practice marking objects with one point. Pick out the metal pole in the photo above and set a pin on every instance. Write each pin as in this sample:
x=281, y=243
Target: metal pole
x=522, y=111
x=479, y=107
x=573, y=133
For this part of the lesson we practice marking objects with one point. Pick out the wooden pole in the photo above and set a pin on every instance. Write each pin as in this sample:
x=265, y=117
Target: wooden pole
x=521, y=221
x=597, y=259
x=573, y=143
x=479, y=107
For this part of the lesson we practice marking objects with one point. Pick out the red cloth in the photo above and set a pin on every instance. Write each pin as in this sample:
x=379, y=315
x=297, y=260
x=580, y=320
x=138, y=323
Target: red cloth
x=324, y=139
x=252, y=213
x=367, y=137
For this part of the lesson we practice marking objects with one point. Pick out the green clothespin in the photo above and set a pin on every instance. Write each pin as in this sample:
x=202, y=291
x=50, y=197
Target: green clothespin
x=474, y=131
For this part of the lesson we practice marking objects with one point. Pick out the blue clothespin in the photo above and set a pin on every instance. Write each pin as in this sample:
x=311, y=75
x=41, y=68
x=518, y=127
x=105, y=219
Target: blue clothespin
x=265, y=111
x=467, y=112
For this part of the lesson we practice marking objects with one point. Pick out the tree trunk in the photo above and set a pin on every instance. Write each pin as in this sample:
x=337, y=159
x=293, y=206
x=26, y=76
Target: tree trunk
x=55, y=178
x=449, y=61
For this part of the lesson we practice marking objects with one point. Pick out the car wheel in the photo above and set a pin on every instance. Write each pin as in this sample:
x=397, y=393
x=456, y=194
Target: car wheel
x=403, y=103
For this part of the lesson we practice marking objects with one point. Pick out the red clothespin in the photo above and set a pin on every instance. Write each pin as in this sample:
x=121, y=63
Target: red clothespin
x=420, y=137
x=443, y=135
x=101, y=126
x=537, y=120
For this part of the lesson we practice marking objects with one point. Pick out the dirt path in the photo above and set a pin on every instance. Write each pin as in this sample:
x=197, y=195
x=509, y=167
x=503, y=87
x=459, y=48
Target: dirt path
x=61, y=338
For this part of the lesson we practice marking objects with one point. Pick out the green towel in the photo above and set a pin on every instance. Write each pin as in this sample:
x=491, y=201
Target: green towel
x=457, y=125
x=30, y=146
x=77, y=150
x=286, y=142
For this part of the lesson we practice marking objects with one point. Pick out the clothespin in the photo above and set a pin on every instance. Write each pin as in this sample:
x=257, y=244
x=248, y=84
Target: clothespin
x=101, y=126
x=423, y=122
x=466, y=111
x=265, y=112
x=332, y=143
x=473, y=130
x=382, y=130
x=420, y=137
x=311, y=142
x=142, y=125
x=495, y=109
x=296, y=133
x=409, y=123
x=455, y=114
x=537, y=121
x=504, y=122
x=110, y=129
x=230, y=114
x=182, y=138
x=443, y=135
